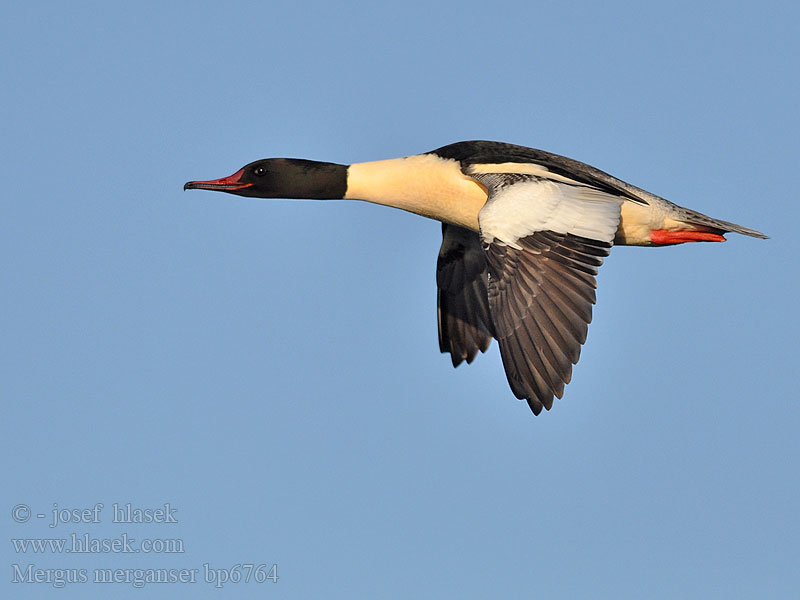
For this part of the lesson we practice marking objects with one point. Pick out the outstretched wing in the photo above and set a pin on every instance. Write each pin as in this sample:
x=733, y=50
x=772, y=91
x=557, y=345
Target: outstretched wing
x=544, y=240
x=463, y=297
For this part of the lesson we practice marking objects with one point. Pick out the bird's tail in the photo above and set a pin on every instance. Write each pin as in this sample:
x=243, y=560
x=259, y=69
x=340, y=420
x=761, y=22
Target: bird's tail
x=699, y=219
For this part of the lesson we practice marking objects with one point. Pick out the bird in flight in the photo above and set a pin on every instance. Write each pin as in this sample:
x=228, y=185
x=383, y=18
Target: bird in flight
x=524, y=232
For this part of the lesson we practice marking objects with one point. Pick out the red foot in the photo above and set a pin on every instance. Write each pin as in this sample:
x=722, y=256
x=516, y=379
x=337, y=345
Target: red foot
x=662, y=236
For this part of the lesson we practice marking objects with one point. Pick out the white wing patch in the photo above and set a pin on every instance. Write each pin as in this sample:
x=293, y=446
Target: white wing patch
x=520, y=205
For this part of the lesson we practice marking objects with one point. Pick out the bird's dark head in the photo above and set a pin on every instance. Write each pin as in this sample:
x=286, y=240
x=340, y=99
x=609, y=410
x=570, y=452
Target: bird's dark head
x=281, y=178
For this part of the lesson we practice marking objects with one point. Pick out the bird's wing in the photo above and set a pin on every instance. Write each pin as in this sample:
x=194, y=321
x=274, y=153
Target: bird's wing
x=463, y=298
x=544, y=240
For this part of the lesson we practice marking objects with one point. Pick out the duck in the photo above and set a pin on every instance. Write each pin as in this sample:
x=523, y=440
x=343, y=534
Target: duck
x=524, y=232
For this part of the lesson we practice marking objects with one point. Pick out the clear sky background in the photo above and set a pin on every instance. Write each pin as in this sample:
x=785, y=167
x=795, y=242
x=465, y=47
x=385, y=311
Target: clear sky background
x=271, y=368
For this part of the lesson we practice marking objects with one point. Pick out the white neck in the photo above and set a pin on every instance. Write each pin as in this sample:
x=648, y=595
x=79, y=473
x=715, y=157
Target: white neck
x=424, y=184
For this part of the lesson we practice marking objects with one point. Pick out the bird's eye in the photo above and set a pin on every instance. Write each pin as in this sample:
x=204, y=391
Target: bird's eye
x=259, y=171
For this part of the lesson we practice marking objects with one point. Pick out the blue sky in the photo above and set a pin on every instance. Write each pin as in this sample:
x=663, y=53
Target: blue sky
x=271, y=368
